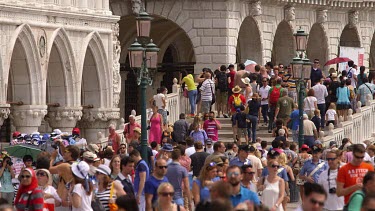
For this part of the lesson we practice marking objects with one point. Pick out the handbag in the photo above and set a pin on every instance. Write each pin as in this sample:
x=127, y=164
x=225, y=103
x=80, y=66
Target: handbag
x=185, y=93
x=213, y=96
x=96, y=205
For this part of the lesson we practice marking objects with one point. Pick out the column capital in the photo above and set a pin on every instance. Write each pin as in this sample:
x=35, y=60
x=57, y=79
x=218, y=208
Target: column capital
x=63, y=117
x=99, y=118
x=27, y=118
x=4, y=112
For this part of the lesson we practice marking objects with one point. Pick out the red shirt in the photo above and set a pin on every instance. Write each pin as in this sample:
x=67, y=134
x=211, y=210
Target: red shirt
x=231, y=99
x=231, y=75
x=351, y=175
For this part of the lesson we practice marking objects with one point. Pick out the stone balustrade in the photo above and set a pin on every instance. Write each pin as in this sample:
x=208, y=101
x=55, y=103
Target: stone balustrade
x=85, y=6
x=359, y=127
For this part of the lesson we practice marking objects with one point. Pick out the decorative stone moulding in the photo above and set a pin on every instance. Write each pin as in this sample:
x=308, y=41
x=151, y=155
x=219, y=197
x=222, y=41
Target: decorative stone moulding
x=4, y=113
x=63, y=117
x=353, y=18
x=289, y=13
x=255, y=8
x=97, y=117
x=321, y=16
x=27, y=118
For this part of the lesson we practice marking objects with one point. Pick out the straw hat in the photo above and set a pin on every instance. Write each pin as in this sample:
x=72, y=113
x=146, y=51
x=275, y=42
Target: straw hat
x=256, y=96
x=245, y=80
x=236, y=89
x=334, y=75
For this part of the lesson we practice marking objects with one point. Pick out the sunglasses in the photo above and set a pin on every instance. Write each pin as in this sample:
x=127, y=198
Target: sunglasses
x=264, y=81
x=359, y=157
x=236, y=174
x=165, y=194
x=123, y=148
x=316, y=62
x=162, y=167
x=250, y=173
x=25, y=176
x=313, y=201
x=41, y=174
x=212, y=164
x=275, y=166
x=331, y=159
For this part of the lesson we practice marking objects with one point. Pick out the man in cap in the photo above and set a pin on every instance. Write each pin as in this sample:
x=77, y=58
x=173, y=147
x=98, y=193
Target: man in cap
x=153, y=182
x=209, y=149
x=311, y=169
x=80, y=142
x=89, y=158
x=241, y=158
x=129, y=128
x=166, y=153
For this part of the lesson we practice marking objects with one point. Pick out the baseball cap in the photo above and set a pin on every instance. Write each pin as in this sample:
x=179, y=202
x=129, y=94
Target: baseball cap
x=16, y=134
x=316, y=148
x=245, y=148
x=89, y=155
x=209, y=141
x=76, y=131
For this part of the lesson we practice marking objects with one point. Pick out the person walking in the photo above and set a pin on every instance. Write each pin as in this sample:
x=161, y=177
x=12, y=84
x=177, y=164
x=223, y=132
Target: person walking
x=253, y=111
x=207, y=92
x=263, y=92
x=165, y=198
x=364, y=90
x=188, y=79
x=221, y=81
x=153, y=182
x=142, y=173
x=180, y=129
x=212, y=126
x=357, y=198
x=284, y=107
x=156, y=127
x=343, y=102
x=82, y=188
x=129, y=128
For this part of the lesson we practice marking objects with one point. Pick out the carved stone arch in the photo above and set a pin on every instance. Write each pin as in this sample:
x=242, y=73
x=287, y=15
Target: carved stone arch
x=283, y=44
x=23, y=37
x=61, y=41
x=372, y=55
x=93, y=46
x=317, y=44
x=249, y=42
x=350, y=37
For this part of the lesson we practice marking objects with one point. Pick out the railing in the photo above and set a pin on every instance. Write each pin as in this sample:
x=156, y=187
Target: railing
x=359, y=127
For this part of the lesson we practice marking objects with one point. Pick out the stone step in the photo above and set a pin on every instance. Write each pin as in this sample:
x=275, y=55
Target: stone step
x=229, y=134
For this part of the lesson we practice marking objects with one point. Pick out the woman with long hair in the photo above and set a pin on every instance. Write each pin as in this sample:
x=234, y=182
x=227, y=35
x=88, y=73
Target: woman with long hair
x=115, y=166
x=156, y=126
x=29, y=196
x=165, y=197
x=283, y=161
x=108, y=190
x=302, y=157
x=81, y=188
x=51, y=198
x=202, y=184
x=273, y=187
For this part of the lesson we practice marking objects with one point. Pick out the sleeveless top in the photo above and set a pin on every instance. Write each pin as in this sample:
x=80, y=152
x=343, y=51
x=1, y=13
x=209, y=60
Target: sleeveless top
x=271, y=194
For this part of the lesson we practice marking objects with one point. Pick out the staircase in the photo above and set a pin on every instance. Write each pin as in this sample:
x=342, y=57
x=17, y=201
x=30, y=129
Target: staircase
x=226, y=132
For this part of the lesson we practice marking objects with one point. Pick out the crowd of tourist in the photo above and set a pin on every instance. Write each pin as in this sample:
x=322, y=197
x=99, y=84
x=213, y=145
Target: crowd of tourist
x=186, y=167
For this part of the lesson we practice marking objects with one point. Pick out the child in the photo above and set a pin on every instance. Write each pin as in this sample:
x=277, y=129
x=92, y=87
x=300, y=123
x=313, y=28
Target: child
x=331, y=115
x=241, y=125
x=316, y=119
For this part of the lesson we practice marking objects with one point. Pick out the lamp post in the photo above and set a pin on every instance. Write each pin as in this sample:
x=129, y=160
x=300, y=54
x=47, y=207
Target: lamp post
x=143, y=58
x=301, y=69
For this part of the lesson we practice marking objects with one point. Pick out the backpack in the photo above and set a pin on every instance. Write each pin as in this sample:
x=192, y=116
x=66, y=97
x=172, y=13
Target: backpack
x=275, y=95
x=222, y=81
x=237, y=102
x=361, y=193
x=350, y=73
x=351, y=94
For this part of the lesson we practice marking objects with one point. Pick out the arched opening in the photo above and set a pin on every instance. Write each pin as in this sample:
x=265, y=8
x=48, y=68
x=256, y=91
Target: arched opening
x=317, y=45
x=349, y=37
x=176, y=54
x=249, y=45
x=90, y=87
x=56, y=83
x=283, y=44
x=372, y=53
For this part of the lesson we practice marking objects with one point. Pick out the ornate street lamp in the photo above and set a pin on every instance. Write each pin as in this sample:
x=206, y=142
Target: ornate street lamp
x=143, y=57
x=301, y=70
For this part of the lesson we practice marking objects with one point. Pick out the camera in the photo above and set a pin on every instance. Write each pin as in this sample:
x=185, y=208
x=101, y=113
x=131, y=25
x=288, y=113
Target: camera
x=9, y=162
x=332, y=190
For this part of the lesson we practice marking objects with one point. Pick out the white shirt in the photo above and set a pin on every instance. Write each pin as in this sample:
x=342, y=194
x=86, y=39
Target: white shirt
x=331, y=114
x=355, y=73
x=256, y=163
x=189, y=151
x=263, y=92
x=309, y=103
x=52, y=191
x=333, y=202
x=159, y=100
x=320, y=93
x=85, y=199
x=207, y=88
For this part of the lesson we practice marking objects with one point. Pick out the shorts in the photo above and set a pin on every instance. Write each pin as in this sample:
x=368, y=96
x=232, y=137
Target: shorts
x=343, y=106
x=205, y=107
x=221, y=97
x=163, y=113
x=241, y=131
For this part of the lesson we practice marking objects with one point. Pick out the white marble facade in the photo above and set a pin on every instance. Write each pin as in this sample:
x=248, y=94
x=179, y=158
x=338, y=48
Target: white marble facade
x=59, y=63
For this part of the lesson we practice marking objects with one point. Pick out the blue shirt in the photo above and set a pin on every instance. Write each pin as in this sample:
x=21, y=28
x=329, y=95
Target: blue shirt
x=151, y=186
x=204, y=192
x=200, y=135
x=141, y=167
x=243, y=195
x=281, y=174
x=175, y=174
x=236, y=162
x=294, y=116
x=309, y=166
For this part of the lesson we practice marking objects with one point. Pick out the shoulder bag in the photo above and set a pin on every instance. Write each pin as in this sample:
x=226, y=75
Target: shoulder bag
x=213, y=95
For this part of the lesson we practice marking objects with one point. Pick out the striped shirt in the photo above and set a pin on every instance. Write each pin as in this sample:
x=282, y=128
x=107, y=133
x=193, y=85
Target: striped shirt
x=104, y=198
x=208, y=86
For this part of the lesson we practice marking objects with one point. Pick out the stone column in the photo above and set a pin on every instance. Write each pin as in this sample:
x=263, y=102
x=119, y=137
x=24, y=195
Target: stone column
x=97, y=120
x=63, y=118
x=99, y=5
x=27, y=118
x=4, y=113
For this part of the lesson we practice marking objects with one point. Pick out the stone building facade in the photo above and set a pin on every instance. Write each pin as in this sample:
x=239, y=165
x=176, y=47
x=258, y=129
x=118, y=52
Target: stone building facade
x=59, y=65
x=210, y=33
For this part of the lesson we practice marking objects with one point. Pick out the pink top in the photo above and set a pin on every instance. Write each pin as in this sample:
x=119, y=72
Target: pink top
x=185, y=161
x=211, y=129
